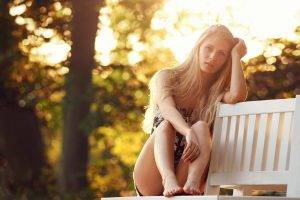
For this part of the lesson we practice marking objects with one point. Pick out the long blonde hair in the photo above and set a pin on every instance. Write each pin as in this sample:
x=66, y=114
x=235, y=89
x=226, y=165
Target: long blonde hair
x=190, y=84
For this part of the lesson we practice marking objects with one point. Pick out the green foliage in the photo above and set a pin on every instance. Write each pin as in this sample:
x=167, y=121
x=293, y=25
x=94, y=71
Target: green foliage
x=120, y=88
x=275, y=76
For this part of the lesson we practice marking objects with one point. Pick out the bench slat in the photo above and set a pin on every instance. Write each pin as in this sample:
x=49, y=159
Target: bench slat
x=222, y=154
x=231, y=143
x=272, y=142
x=249, y=142
x=216, y=145
x=240, y=143
x=260, y=142
x=257, y=107
x=249, y=178
x=284, y=142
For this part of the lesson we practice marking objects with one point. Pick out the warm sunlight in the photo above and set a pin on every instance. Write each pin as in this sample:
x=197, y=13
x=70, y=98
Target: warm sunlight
x=51, y=53
x=253, y=21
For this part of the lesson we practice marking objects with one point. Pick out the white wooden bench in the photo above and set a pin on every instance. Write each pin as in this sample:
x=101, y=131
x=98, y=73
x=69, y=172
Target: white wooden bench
x=256, y=145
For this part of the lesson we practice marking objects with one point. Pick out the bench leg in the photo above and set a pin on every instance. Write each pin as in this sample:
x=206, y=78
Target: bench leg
x=242, y=191
x=212, y=190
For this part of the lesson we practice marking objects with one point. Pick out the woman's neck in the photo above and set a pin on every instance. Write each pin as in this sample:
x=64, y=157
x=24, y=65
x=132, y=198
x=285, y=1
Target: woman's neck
x=207, y=79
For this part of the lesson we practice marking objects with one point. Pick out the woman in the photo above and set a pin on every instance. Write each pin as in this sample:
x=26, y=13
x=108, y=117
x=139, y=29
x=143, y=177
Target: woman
x=183, y=100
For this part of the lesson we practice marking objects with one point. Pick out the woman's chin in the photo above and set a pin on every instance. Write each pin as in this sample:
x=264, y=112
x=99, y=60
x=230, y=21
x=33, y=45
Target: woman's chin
x=206, y=70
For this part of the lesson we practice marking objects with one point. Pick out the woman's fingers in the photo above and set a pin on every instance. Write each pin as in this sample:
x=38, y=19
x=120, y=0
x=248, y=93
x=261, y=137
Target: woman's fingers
x=195, y=155
x=185, y=149
x=188, y=149
x=192, y=154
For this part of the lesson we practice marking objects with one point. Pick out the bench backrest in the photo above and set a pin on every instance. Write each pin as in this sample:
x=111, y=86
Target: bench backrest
x=256, y=143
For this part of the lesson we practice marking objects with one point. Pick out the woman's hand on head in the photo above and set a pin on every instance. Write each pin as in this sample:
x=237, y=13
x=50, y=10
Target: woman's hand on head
x=191, y=150
x=239, y=48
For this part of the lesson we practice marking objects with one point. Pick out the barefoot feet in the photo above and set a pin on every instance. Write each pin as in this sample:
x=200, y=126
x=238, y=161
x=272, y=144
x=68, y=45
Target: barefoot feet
x=192, y=187
x=171, y=187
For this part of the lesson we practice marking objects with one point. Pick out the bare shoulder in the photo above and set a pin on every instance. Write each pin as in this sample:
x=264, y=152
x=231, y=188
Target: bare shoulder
x=163, y=76
x=162, y=90
x=163, y=73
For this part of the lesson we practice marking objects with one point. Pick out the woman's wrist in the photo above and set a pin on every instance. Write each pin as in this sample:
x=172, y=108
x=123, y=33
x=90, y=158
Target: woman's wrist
x=235, y=56
x=188, y=131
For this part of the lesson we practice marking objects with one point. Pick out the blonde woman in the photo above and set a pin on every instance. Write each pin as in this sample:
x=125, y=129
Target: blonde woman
x=180, y=114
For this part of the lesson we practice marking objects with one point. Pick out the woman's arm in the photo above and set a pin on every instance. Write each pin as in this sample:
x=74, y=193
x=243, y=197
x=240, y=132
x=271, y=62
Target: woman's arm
x=238, y=87
x=165, y=101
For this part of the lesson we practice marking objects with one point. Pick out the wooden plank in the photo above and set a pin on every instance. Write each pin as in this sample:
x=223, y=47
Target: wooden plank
x=223, y=145
x=250, y=178
x=255, y=198
x=278, y=188
x=205, y=197
x=260, y=142
x=249, y=142
x=215, y=144
x=272, y=142
x=293, y=185
x=257, y=107
x=239, y=145
x=284, y=141
x=231, y=143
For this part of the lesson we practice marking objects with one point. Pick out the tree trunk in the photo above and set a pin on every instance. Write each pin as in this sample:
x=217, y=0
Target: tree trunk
x=22, y=150
x=22, y=147
x=78, y=95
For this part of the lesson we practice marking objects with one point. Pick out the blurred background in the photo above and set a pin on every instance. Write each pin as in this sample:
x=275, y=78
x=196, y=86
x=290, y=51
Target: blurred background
x=74, y=75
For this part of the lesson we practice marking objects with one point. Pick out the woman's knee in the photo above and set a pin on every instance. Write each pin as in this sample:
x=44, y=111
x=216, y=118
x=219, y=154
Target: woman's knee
x=200, y=124
x=165, y=126
x=201, y=128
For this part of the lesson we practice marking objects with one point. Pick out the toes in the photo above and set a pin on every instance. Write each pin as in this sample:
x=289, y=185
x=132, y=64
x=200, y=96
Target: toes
x=179, y=190
x=196, y=191
x=168, y=194
x=188, y=191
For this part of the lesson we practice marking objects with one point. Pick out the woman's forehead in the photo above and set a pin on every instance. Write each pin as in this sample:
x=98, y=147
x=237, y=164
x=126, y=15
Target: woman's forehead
x=218, y=42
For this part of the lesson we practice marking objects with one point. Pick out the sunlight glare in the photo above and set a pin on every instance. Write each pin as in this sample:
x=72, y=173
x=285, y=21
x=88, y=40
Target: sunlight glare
x=17, y=10
x=51, y=53
x=252, y=20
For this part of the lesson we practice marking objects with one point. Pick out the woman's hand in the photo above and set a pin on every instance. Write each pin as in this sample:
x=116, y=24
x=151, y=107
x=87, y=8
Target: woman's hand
x=192, y=150
x=239, y=48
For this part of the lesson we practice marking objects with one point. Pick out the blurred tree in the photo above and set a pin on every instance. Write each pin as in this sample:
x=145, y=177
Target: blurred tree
x=22, y=149
x=78, y=95
x=110, y=108
x=28, y=96
x=276, y=73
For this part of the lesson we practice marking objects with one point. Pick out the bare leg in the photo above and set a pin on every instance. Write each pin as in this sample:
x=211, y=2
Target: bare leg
x=196, y=168
x=145, y=174
x=156, y=161
x=164, y=157
x=182, y=173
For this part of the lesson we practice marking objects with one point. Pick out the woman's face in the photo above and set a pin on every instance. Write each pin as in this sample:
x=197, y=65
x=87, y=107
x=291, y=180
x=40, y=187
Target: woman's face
x=214, y=52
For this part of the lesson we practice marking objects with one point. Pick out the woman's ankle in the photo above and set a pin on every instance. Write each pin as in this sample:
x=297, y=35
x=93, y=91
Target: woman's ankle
x=167, y=176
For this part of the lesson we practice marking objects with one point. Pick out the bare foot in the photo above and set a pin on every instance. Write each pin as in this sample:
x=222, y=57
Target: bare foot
x=171, y=187
x=192, y=187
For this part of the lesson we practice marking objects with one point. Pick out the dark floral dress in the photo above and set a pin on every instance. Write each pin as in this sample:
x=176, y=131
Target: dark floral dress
x=180, y=141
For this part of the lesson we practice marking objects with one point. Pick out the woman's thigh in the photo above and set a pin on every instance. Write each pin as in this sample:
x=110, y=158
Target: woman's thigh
x=146, y=175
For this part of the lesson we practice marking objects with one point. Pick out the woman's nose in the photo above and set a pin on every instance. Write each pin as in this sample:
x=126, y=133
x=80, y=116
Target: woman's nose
x=212, y=56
